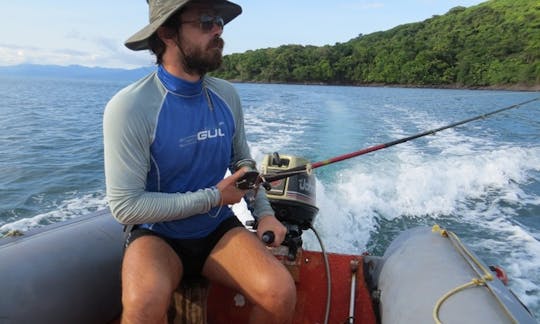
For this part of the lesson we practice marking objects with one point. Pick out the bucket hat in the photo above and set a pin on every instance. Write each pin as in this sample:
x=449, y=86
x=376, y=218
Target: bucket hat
x=161, y=10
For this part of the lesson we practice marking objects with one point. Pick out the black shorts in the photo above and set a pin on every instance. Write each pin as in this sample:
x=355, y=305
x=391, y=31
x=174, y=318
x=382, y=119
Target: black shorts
x=192, y=252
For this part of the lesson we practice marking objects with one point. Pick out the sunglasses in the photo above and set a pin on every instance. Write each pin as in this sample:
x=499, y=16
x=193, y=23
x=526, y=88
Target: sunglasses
x=206, y=23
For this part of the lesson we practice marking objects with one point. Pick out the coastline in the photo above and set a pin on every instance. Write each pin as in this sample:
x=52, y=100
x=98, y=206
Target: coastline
x=504, y=87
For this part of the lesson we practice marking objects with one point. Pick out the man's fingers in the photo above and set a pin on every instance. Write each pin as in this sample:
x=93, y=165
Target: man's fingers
x=238, y=174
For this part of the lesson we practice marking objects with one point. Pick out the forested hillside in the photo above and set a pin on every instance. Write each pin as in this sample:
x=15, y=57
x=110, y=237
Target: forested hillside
x=496, y=43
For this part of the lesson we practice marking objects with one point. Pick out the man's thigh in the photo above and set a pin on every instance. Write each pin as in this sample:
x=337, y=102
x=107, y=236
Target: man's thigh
x=150, y=263
x=241, y=261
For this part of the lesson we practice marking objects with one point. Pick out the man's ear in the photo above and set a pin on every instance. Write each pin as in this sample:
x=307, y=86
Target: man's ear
x=166, y=34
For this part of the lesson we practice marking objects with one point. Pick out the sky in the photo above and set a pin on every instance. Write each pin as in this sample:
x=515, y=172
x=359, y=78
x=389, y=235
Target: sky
x=92, y=33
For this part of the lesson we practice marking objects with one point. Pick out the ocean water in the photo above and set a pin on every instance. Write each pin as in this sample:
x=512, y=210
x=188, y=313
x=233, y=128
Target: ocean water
x=480, y=180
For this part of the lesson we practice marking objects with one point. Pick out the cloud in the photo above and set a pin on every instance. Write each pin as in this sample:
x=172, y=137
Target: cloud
x=10, y=57
x=109, y=44
x=108, y=55
x=11, y=54
x=105, y=43
x=74, y=34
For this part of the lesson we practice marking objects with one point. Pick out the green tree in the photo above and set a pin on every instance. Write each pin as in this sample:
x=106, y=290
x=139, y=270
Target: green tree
x=494, y=43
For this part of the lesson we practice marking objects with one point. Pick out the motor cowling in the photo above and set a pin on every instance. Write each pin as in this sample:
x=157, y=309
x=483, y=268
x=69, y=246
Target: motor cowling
x=294, y=198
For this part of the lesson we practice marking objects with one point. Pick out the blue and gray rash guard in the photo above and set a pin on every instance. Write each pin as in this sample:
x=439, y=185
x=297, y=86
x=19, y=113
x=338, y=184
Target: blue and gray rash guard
x=167, y=143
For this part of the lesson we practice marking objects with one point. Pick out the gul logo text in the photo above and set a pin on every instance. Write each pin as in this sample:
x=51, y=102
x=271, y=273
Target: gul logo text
x=209, y=133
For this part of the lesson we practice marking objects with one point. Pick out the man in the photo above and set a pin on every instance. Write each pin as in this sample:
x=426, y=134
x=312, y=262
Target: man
x=169, y=139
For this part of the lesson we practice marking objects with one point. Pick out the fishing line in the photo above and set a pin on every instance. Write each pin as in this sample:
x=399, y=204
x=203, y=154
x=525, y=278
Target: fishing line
x=307, y=167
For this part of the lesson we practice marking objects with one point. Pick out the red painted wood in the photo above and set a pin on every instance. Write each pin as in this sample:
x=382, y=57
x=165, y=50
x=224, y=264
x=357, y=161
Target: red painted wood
x=227, y=306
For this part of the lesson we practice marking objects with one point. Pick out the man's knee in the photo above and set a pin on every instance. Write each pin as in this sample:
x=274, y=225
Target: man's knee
x=278, y=293
x=287, y=296
x=149, y=277
x=141, y=307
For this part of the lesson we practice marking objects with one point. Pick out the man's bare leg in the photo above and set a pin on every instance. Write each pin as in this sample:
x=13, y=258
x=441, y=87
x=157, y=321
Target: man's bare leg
x=242, y=262
x=151, y=271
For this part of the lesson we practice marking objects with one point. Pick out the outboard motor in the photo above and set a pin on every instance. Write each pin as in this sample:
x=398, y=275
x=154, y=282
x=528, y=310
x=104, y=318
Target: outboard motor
x=293, y=199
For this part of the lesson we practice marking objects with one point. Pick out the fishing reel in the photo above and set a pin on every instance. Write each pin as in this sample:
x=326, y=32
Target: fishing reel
x=249, y=180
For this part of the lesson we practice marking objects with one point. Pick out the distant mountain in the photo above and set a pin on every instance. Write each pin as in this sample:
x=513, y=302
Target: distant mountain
x=74, y=72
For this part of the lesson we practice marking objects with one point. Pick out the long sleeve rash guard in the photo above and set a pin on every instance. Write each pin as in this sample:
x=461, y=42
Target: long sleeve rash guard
x=167, y=143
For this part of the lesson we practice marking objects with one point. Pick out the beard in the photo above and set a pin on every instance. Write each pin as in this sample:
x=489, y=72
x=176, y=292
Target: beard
x=197, y=60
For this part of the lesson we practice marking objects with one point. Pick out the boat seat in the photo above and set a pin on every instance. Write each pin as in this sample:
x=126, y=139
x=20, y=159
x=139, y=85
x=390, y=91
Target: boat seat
x=189, y=301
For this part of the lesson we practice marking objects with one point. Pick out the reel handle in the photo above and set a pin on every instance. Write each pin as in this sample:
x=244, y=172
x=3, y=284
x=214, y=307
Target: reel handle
x=268, y=237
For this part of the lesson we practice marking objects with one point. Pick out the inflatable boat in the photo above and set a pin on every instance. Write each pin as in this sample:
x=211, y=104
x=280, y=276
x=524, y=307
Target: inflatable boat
x=70, y=273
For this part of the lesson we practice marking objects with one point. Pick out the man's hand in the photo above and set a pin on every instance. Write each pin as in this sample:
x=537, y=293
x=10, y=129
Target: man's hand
x=270, y=223
x=230, y=194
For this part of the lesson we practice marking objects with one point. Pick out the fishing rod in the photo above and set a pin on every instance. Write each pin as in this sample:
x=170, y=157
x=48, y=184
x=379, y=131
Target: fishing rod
x=310, y=166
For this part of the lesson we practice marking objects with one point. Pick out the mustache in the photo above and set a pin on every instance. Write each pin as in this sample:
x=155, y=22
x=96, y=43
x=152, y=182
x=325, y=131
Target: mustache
x=217, y=42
